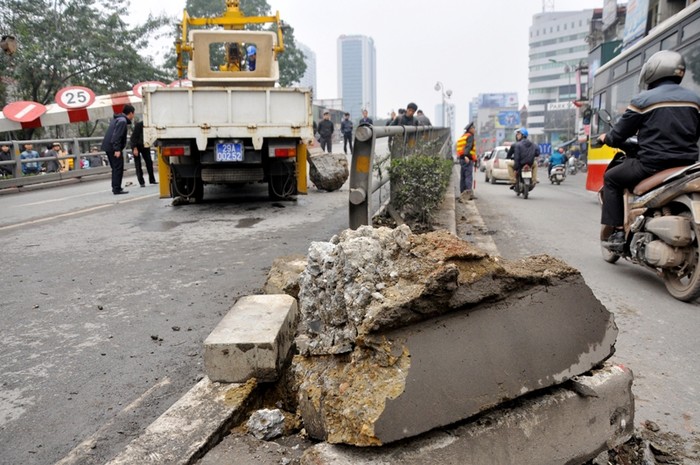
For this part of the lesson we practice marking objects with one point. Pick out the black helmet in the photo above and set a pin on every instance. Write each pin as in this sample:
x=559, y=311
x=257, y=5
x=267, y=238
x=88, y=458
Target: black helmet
x=663, y=64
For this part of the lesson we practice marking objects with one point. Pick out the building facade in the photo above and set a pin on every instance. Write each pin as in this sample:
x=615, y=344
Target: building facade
x=309, y=77
x=357, y=75
x=557, y=74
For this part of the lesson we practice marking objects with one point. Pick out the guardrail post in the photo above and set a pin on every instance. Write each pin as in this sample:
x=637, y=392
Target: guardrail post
x=361, y=177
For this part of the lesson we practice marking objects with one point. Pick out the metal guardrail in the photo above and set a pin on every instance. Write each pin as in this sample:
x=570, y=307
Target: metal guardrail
x=369, y=173
x=77, y=144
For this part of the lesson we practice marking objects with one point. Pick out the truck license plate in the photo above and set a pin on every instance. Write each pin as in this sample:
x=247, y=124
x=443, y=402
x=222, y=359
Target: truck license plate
x=229, y=151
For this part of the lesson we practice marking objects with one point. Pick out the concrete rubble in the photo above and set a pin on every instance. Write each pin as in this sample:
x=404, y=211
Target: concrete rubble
x=403, y=333
x=266, y=424
x=283, y=277
x=328, y=171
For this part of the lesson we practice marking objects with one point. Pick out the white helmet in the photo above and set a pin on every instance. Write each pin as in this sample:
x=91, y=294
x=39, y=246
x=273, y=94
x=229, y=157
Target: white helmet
x=663, y=64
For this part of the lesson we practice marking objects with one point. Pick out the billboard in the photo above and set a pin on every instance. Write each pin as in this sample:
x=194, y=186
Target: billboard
x=609, y=13
x=503, y=100
x=508, y=119
x=635, y=22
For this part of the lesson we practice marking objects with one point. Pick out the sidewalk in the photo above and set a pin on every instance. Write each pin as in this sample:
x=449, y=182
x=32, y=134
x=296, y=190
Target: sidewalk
x=190, y=431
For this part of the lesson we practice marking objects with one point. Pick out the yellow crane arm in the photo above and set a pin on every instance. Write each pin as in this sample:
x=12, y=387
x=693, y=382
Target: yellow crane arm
x=233, y=18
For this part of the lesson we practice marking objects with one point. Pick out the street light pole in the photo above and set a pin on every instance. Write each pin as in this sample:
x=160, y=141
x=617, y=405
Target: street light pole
x=445, y=94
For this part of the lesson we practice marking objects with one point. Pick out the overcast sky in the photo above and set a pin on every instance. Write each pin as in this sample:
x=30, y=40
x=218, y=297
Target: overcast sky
x=470, y=46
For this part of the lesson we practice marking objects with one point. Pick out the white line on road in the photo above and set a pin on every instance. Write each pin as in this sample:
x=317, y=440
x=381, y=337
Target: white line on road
x=69, y=214
x=61, y=199
x=77, y=455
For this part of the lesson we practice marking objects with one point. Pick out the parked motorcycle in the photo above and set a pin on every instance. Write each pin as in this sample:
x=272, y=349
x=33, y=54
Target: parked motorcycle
x=523, y=181
x=557, y=174
x=662, y=226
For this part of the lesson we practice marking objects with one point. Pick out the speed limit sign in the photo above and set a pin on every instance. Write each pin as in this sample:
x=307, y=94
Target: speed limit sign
x=75, y=97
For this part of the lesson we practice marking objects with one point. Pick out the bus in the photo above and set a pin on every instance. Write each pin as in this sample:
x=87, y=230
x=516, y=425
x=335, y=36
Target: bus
x=616, y=82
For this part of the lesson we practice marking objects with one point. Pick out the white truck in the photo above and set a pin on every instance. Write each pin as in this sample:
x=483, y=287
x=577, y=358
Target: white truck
x=230, y=124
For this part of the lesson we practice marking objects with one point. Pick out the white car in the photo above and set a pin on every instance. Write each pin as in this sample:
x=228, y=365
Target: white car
x=495, y=168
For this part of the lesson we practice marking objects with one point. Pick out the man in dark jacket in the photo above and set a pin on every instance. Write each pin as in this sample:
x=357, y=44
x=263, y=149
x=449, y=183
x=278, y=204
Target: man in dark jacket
x=666, y=119
x=346, y=131
x=6, y=155
x=325, y=130
x=407, y=119
x=365, y=120
x=140, y=151
x=114, y=144
x=524, y=153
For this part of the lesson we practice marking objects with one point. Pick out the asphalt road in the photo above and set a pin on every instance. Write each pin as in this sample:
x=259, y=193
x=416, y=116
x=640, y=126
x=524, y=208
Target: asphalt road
x=106, y=301
x=658, y=336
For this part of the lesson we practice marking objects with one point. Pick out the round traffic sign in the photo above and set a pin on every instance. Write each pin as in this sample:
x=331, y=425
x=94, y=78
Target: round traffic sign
x=137, y=88
x=23, y=111
x=75, y=97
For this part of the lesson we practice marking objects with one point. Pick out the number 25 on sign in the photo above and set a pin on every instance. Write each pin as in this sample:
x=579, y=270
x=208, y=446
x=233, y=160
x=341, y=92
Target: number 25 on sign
x=75, y=97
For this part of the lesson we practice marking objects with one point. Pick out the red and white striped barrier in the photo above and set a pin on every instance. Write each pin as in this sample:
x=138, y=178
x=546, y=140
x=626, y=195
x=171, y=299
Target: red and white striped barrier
x=104, y=107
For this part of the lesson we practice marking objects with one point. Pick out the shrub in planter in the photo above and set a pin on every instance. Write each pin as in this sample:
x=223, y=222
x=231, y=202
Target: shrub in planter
x=419, y=184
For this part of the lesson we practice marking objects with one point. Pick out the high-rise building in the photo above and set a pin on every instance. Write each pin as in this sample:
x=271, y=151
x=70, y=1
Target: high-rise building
x=357, y=75
x=557, y=73
x=309, y=77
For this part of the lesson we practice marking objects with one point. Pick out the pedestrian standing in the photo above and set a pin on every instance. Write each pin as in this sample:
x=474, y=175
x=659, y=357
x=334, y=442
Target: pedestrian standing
x=52, y=166
x=114, y=144
x=466, y=152
x=30, y=154
x=365, y=120
x=325, y=131
x=346, y=130
x=6, y=155
x=140, y=151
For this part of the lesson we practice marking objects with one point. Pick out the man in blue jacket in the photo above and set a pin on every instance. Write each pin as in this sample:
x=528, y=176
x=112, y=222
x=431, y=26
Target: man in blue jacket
x=114, y=144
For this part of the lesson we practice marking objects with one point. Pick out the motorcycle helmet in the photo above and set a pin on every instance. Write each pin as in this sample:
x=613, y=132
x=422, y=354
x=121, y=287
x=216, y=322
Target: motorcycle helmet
x=251, y=50
x=664, y=64
x=523, y=132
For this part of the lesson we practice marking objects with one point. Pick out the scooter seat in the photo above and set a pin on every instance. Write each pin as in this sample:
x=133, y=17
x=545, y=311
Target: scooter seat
x=656, y=180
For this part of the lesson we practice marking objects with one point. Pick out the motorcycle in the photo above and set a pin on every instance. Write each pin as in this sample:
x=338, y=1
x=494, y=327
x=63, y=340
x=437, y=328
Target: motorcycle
x=662, y=226
x=557, y=174
x=571, y=166
x=523, y=181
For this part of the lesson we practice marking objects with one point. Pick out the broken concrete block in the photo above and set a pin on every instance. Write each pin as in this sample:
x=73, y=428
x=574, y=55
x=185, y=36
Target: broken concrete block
x=328, y=171
x=372, y=279
x=253, y=340
x=284, y=274
x=556, y=427
x=405, y=333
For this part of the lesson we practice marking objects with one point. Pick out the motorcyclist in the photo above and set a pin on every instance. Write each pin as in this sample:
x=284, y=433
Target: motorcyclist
x=524, y=152
x=557, y=158
x=666, y=119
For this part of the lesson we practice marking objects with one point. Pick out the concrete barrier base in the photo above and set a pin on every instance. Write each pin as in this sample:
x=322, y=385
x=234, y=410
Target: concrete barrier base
x=558, y=426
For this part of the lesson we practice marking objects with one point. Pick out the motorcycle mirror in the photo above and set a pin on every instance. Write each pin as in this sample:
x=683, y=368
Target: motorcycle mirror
x=605, y=116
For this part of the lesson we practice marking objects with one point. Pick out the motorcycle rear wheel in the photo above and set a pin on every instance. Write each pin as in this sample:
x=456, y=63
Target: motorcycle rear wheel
x=684, y=284
x=608, y=256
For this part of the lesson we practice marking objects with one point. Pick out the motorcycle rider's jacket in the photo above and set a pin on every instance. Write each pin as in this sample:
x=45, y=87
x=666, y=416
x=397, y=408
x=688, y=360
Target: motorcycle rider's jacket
x=524, y=153
x=666, y=120
x=557, y=159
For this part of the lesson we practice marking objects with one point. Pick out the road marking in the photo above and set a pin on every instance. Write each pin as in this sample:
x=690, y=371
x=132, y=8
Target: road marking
x=79, y=212
x=59, y=199
x=78, y=454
